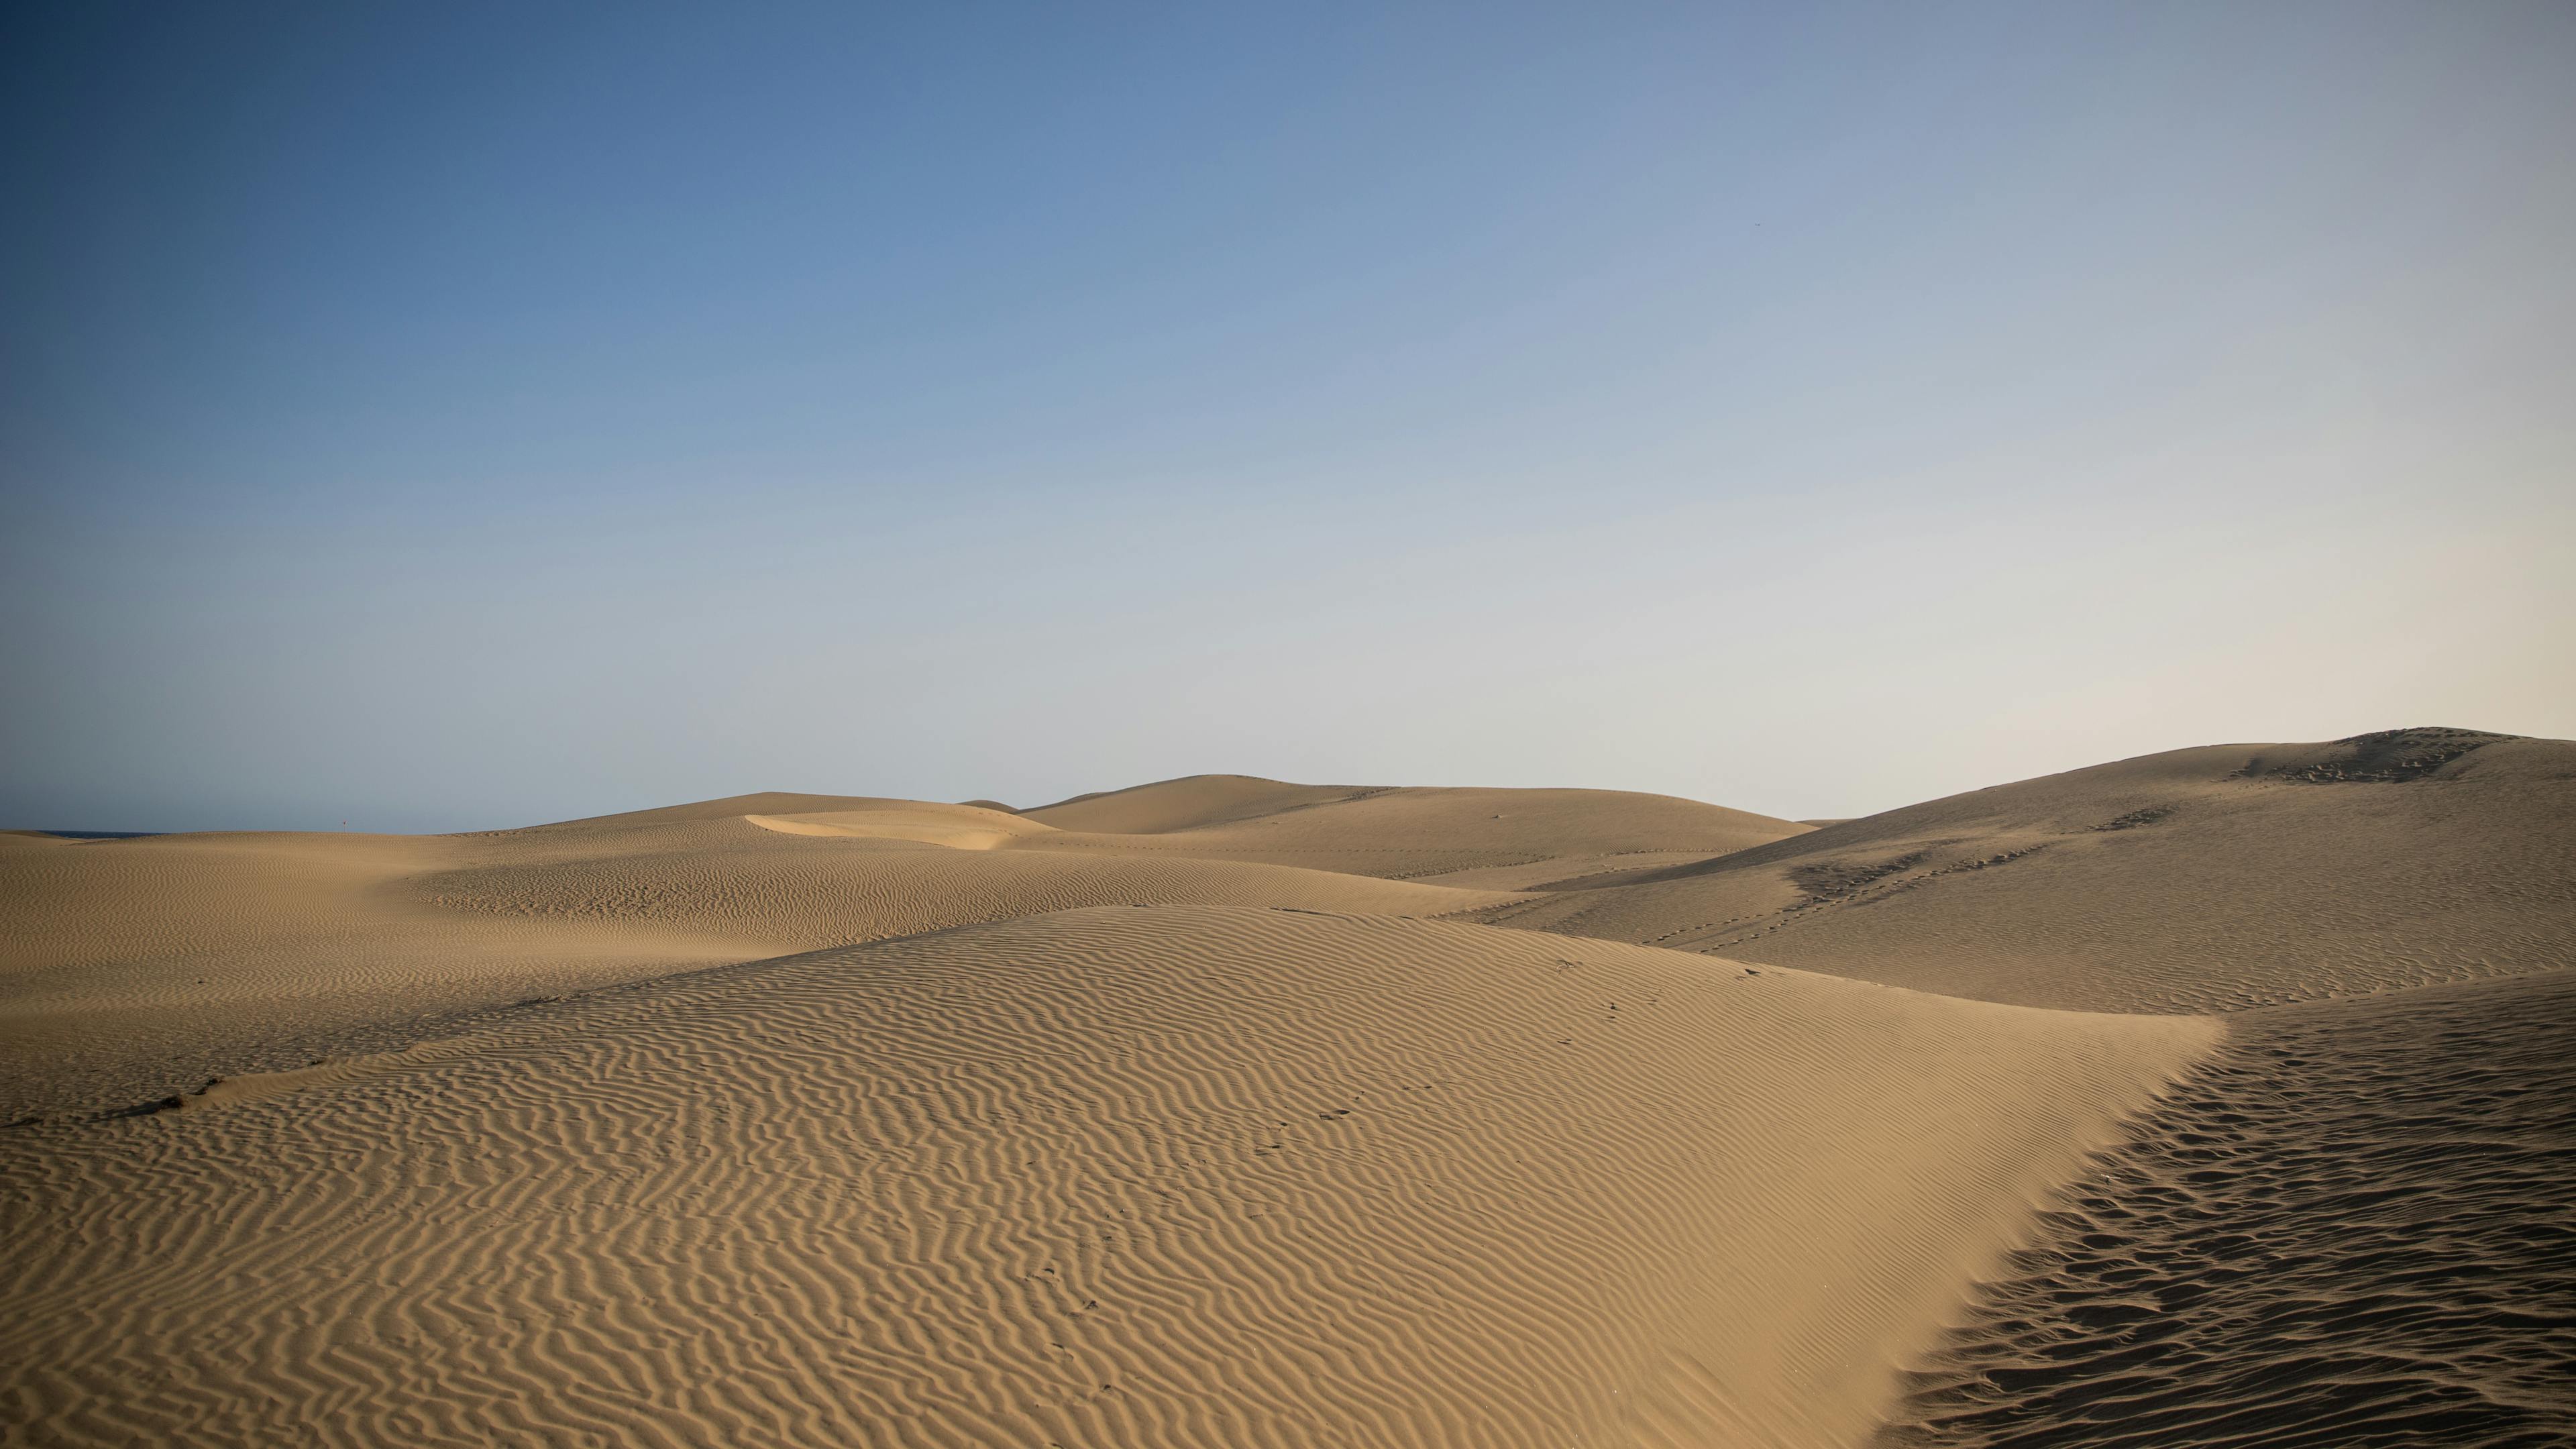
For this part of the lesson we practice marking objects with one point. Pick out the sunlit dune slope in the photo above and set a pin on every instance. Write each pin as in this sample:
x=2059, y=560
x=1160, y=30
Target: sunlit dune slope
x=134, y=967
x=1118, y=1176
x=958, y=827
x=1405, y=833
x=2204, y=879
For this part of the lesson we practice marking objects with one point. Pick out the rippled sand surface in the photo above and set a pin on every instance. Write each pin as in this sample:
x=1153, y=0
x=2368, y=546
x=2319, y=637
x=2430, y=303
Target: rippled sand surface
x=2356, y=1226
x=1226, y=1111
x=1176, y=1175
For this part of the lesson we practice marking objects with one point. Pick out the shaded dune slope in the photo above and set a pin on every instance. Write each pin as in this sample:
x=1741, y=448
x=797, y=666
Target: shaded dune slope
x=1173, y=1175
x=2355, y=1225
x=2211, y=879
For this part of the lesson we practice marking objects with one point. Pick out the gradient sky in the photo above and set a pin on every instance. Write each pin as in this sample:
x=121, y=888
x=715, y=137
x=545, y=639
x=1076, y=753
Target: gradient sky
x=443, y=417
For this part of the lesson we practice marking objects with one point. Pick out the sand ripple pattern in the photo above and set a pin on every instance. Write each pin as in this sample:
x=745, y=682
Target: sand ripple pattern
x=1117, y=1176
x=2357, y=1227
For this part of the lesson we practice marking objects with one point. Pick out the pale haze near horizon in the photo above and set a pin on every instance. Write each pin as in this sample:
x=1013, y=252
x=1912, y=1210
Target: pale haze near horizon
x=470, y=418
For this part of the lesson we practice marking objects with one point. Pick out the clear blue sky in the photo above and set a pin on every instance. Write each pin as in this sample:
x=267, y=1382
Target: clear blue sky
x=457, y=416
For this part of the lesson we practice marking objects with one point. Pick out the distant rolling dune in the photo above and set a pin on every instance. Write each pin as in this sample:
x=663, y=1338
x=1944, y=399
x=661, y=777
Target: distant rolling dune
x=135, y=968
x=2211, y=879
x=1402, y=833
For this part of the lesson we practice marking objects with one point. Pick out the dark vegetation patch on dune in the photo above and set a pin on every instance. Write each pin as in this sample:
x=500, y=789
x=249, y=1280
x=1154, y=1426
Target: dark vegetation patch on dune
x=2383, y=757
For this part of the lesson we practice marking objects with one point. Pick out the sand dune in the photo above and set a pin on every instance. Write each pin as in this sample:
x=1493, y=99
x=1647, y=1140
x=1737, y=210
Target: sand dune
x=2352, y=1226
x=133, y=967
x=136, y=967
x=1402, y=833
x=1192, y=802
x=1228, y=1111
x=767, y=802
x=958, y=827
x=2210, y=879
x=1176, y=1175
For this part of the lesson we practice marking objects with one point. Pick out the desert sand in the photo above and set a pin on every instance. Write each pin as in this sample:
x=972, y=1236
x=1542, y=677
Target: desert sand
x=2212, y=1097
x=2202, y=880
